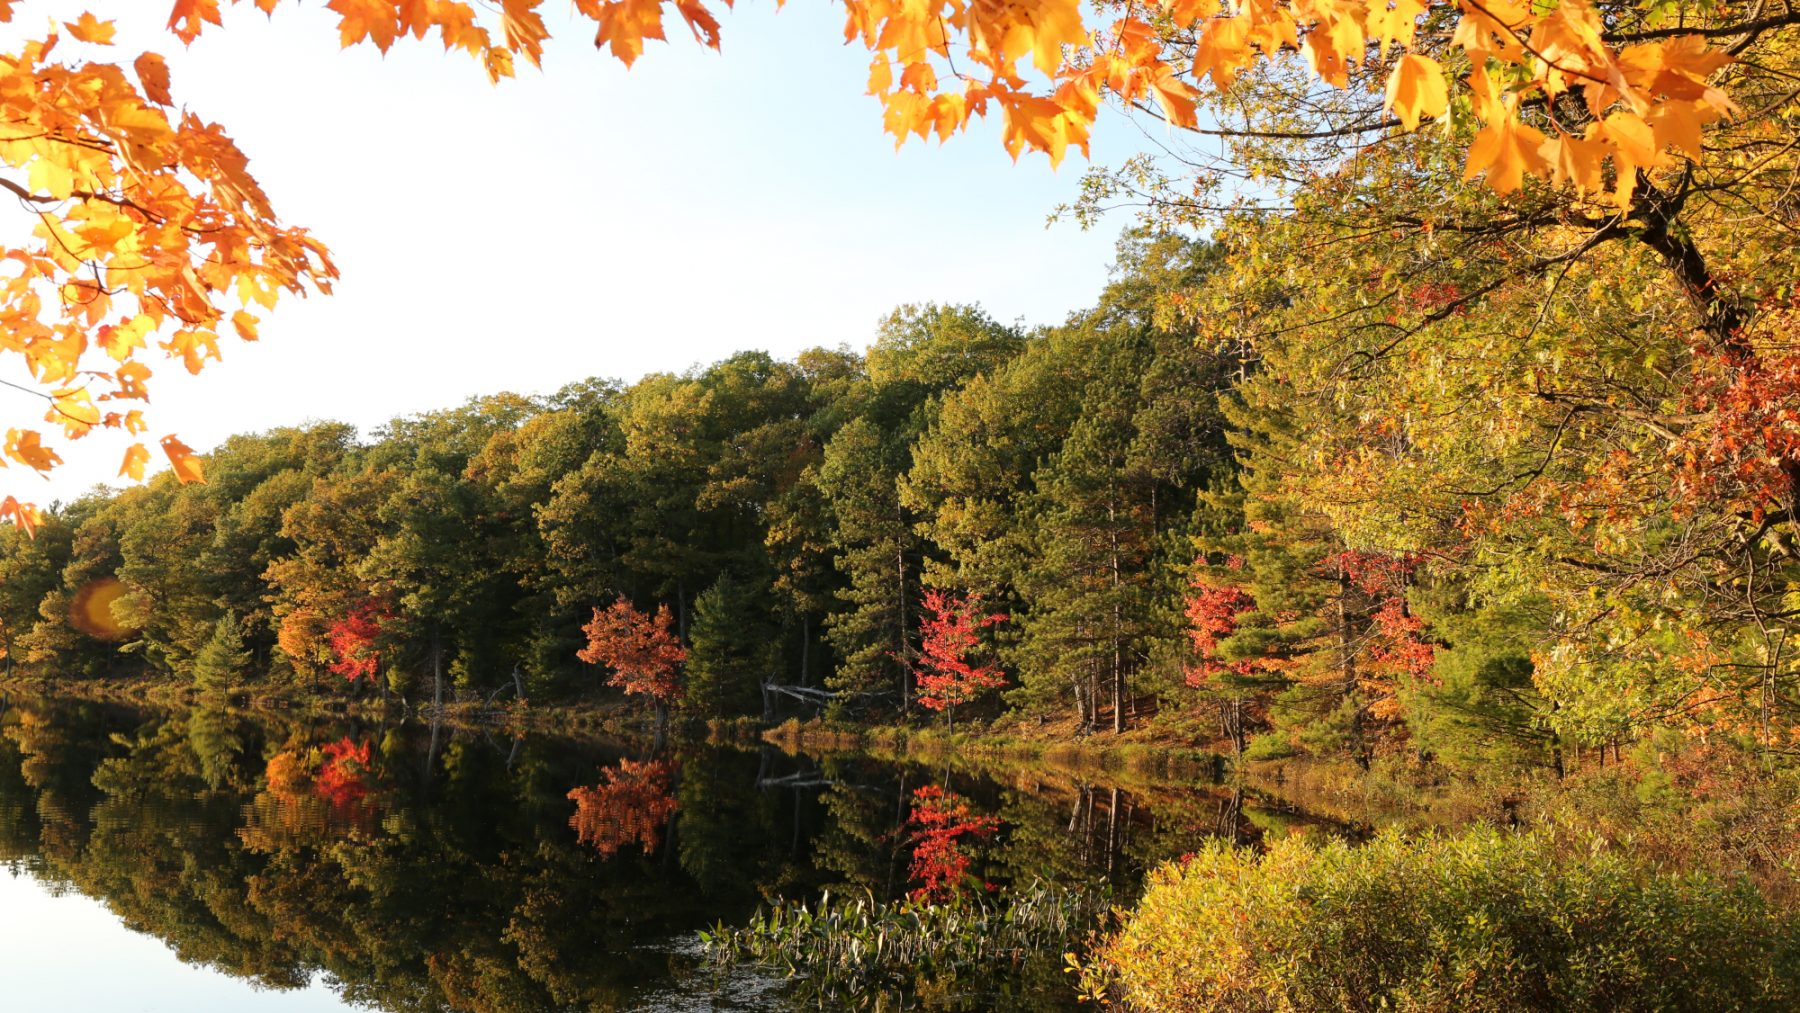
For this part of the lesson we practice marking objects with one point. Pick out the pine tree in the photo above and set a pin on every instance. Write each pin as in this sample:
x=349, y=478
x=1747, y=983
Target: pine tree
x=222, y=660
x=732, y=648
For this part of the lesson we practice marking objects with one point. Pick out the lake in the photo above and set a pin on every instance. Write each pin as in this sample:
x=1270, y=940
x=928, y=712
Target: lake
x=204, y=860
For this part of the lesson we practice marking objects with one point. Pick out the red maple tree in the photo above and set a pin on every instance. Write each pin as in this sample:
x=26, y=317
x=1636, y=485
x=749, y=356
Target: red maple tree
x=1212, y=612
x=353, y=640
x=629, y=807
x=643, y=652
x=941, y=822
x=948, y=637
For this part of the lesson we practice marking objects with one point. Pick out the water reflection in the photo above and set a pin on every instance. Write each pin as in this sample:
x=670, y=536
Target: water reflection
x=416, y=869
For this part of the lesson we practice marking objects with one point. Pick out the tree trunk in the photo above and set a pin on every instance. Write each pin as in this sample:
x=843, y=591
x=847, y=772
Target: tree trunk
x=437, y=672
x=904, y=655
x=1347, y=662
x=805, y=650
x=1118, y=622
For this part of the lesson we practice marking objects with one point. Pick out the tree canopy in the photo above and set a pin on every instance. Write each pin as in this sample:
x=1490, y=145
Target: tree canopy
x=148, y=230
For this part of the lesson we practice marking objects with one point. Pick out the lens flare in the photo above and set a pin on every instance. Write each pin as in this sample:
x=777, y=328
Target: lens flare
x=91, y=610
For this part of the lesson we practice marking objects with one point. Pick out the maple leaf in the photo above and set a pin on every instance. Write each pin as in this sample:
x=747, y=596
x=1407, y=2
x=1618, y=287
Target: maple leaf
x=1395, y=26
x=1176, y=97
x=524, y=29
x=153, y=74
x=1576, y=159
x=700, y=21
x=130, y=377
x=625, y=24
x=1506, y=150
x=185, y=461
x=375, y=20
x=135, y=459
x=1416, y=88
x=88, y=28
x=187, y=17
x=120, y=341
x=24, y=515
x=73, y=409
x=23, y=446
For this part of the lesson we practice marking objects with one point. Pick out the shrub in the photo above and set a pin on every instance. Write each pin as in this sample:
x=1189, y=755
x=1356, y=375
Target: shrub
x=1480, y=921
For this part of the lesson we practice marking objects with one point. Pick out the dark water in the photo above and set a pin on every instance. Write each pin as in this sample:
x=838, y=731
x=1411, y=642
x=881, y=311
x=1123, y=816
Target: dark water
x=200, y=860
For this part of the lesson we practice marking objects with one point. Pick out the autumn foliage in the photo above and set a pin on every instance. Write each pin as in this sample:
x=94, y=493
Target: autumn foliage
x=316, y=787
x=948, y=637
x=643, y=651
x=631, y=805
x=1213, y=610
x=148, y=230
x=354, y=641
x=941, y=827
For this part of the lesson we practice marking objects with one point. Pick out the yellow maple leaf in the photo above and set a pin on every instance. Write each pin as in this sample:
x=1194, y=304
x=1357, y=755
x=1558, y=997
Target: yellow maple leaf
x=1576, y=159
x=73, y=408
x=524, y=28
x=1416, y=88
x=1396, y=25
x=130, y=377
x=1506, y=151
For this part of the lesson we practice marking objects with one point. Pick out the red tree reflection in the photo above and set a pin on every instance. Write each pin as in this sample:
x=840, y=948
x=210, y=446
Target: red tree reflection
x=630, y=807
x=941, y=825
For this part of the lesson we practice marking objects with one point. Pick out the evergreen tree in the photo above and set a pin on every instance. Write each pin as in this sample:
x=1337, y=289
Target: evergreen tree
x=222, y=660
x=732, y=649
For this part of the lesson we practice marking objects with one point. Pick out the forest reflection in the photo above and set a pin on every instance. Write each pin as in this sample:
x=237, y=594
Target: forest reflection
x=420, y=869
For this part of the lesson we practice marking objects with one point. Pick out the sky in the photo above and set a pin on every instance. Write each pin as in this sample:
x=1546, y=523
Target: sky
x=585, y=220
x=53, y=943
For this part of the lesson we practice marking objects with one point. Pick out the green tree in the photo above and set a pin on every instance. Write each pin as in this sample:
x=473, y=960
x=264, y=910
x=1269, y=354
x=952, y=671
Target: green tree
x=732, y=649
x=222, y=661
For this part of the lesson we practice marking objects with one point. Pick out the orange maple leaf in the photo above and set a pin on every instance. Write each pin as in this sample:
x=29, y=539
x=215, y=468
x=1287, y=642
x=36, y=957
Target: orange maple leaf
x=135, y=459
x=186, y=19
x=186, y=462
x=153, y=74
x=88, y=28
x=24, y=515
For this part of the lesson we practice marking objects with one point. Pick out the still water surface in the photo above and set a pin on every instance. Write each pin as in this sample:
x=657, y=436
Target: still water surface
x=202, y=861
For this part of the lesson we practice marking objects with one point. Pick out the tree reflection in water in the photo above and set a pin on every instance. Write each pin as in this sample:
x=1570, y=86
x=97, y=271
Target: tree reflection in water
x=476, y=872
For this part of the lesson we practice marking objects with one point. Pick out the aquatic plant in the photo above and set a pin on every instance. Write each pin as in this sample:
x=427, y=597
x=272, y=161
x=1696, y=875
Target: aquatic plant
x=857, y=952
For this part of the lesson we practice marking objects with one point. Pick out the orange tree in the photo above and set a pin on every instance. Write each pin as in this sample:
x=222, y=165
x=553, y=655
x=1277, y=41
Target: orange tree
x=643, y=652
x=146, y=230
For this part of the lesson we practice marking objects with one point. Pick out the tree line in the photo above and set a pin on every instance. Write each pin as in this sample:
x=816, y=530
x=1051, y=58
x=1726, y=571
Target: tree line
x=1198, y=504
x=790, y=516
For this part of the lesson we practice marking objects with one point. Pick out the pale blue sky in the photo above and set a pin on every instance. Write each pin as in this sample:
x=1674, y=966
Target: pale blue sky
x=586, y=219
x=70, y=953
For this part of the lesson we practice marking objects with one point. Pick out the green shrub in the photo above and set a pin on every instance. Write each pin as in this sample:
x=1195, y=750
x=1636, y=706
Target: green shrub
x=1270, y=746
x=1480, y=921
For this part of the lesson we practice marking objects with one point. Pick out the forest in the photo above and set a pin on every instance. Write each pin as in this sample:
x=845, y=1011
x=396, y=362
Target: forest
x=794, y=518
x=1481, y=557
x=1475, y=438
